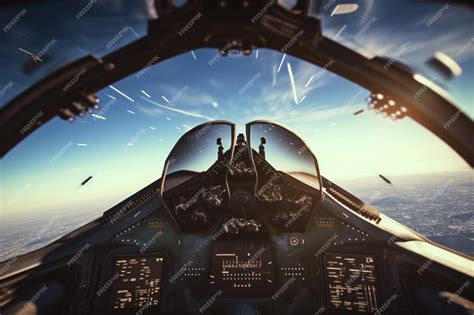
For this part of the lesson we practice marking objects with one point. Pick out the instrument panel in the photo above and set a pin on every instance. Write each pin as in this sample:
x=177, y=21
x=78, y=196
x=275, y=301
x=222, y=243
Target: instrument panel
x=239, y=269
x=130, y=283
x=228, y=265
x=351, y=282
x=137, y=282
x=243, y=269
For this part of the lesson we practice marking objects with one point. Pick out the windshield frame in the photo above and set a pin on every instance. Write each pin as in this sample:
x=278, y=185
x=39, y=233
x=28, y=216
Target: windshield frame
x=264, y=121
x=47, y=97
x=170, y=156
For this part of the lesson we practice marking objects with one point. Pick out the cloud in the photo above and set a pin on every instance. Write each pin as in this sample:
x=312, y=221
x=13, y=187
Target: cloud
x=279, y=93
x=188, y=97
x=150, y=112
x=277, y=100
x=447, y=36
x=214, y=83
x=177, y=110
x=318, y=114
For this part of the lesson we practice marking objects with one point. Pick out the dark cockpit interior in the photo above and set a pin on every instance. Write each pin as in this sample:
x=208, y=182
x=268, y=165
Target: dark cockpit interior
x=240, y=224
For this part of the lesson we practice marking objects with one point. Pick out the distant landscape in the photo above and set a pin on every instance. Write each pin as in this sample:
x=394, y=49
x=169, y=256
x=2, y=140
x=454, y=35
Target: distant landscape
x=22, y=236
x=440, y=206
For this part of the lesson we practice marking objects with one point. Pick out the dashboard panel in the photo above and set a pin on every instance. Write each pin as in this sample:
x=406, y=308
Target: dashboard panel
x=243, y=269
x=334, y=266
x=286, y=255
x=270, y=271
x=130, y=283
x=352, y=282
x=138, y=282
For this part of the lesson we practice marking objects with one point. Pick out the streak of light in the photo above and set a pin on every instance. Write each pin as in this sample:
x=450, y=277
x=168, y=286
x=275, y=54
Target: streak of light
x=81, y=50
x=35, y=58
x=449, y=63
x=121, y=93
x=274, y=72
x=345, y=8
x=197, y=115
x=292, y=80
x=340, y=31
x=281, y=62
x=97, y=116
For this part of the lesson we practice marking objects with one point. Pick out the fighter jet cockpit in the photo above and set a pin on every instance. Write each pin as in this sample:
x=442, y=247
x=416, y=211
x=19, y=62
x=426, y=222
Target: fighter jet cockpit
x=236, y=157
x=246, y=224
x=203, y=184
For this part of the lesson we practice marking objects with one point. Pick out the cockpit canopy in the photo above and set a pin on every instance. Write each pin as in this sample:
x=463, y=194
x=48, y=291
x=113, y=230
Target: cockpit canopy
x=211, y=173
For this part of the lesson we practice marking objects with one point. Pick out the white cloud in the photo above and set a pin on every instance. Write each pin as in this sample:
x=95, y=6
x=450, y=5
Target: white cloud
x=187, y=97
x=214, y=83
x=424, y=41
x=150, y=112
x=177, y=110
x=320, y=113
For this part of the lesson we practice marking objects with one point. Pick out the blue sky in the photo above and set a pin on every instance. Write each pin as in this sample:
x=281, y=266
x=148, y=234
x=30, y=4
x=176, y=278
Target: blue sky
x=126, y=150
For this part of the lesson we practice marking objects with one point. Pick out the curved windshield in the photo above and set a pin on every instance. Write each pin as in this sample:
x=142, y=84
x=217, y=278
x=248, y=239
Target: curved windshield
x=68, y=30
x=419, y=31
x=194, y=187
x=280, y=158
x=64, y=175
x=282, y=149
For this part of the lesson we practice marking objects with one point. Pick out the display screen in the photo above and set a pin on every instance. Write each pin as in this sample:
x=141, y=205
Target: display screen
x=243, y=269
x=351, y=282
x=136, y=282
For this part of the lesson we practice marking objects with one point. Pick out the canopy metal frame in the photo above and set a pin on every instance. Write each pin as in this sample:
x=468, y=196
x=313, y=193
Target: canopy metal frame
x=235, y=26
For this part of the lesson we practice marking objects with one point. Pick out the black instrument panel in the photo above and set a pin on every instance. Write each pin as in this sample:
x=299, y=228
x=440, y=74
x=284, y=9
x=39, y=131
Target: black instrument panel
x=131, y=283
x=243, y=269
x=351, y=281
x=246, y=270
